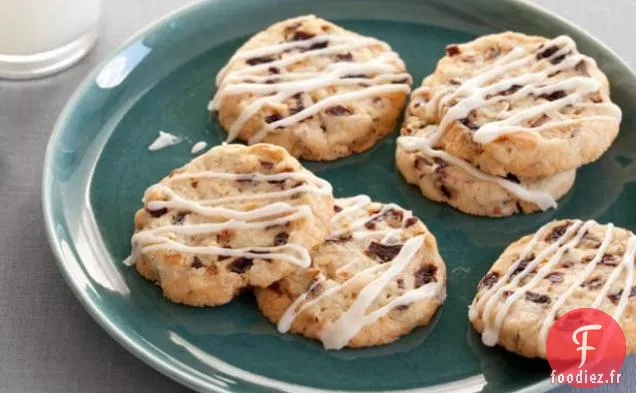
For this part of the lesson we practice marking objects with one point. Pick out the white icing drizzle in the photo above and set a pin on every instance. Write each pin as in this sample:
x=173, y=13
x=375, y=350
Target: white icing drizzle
x=472, y=95
x=165, y=139
x=475, y=309
x=360, y=204
x=492, y=297
x=491, y=331
x=381, y=76
x=198, y=147
x=549, y=320
x=300, y=304
x=350, y=206
x=540, y=198
x=275, y=213
x=337, y=334
x=627, y=263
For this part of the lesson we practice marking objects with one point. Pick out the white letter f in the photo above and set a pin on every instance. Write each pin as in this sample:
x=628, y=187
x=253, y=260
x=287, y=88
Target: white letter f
x=584, y=347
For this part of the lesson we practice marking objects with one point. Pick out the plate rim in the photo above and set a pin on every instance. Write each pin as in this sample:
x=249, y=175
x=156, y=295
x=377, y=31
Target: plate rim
x=175, y=370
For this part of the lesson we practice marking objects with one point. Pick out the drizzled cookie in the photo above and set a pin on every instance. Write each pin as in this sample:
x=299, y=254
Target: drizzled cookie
x=318, y=90
x=513, y=116
x=234, y=217
x=511, y=103
x=565, y=265
x=473, y=192
x=377, y=277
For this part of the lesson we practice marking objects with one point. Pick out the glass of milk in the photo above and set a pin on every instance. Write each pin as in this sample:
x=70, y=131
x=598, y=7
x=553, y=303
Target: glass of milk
x=41, y=37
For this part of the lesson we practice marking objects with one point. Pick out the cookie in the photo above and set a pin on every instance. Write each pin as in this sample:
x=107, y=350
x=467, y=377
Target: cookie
x=377, y=277
x=318, y=90
x=234, y=217
x=515, y=104
x=460, y=185
x=565, y=265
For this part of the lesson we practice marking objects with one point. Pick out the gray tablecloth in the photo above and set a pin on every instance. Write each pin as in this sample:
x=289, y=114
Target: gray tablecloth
x=48, y=343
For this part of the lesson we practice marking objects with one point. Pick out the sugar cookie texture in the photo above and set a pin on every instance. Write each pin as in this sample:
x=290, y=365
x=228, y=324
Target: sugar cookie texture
x=565, y=265
x=234, y=217
x=377, y=277
x=504, y=121
x=318, y=90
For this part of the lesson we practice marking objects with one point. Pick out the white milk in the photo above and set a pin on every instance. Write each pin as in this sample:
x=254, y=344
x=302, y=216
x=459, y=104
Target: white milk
x=38, y=37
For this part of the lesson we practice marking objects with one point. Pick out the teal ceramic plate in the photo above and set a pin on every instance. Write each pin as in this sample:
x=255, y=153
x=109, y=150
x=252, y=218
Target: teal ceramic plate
x=97, y=167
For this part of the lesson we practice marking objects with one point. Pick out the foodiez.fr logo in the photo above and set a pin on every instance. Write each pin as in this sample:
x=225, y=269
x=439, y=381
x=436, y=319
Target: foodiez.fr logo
x=586, y=348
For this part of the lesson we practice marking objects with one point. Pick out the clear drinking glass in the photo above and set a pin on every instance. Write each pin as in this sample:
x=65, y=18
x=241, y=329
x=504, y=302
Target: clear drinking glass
x=41, y=37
